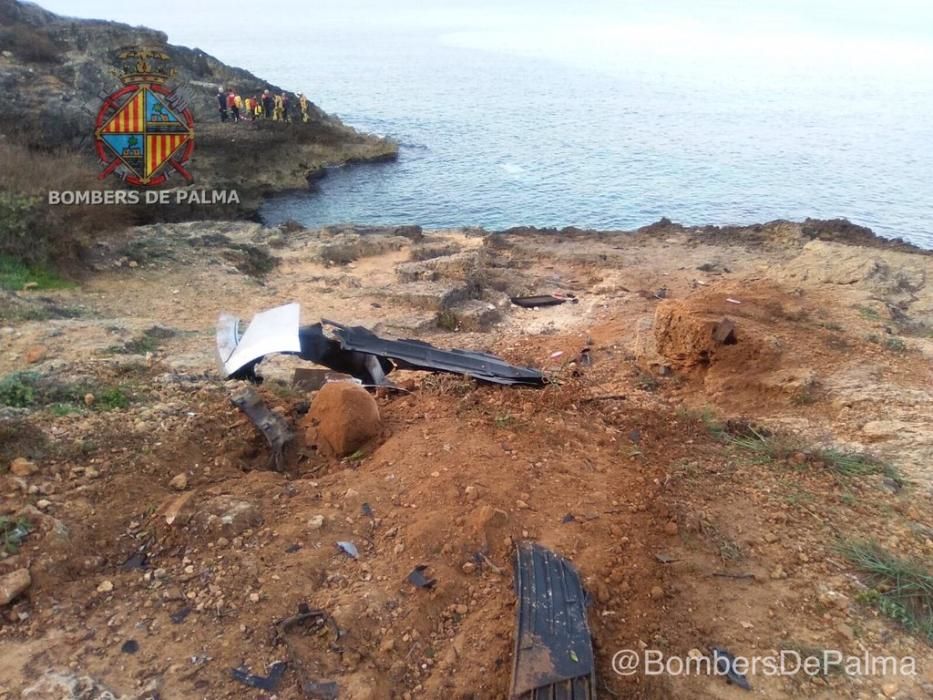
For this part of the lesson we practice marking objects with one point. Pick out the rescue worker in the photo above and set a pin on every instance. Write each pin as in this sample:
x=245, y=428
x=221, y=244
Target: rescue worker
x=238, y=102
x=222, y=104
x=279, y=114
x=231, y=106
x=248, y=104
x=267, y=104
x=303, y=105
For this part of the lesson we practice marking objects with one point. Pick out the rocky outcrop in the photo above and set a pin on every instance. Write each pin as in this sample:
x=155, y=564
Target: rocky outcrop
x=54, y=71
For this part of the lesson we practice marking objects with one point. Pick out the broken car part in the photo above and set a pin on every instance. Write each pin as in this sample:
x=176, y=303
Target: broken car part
x=553, y=648
x=542, y=300
x=725, y=665
x=269, y=682
x=273, y=426
x=314, y=619
x=419, y=579
x=353, y=350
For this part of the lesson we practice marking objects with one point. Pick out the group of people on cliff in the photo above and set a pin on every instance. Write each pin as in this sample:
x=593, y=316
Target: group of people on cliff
x=234, y=107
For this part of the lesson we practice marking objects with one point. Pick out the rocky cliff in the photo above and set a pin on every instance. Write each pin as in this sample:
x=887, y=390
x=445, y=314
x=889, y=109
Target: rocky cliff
x=54, y=71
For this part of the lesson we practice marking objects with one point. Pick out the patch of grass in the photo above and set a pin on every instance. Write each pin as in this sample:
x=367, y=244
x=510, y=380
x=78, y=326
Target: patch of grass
x=849, y=463
x=504, y=420
x=901, y=589
x=447, y=320
x=18, y=390
x=895, y=344
x=64, y=409
x=111, y=399
x=647, y=382
x=803, y=396
x=831, y=326
x=16, y=275
x=867, y=313
x=12, y=533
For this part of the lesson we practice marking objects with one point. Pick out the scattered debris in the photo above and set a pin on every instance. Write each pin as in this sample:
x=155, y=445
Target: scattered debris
x=268, y=682
x=179, y=615
x=585, y=358
x=367, y=510
x=273, y=426
x=724, y=663
x=349, y=549
x=555, y=355
x=354, y=350
x=418, y=578
x=568, y=518
x=531, y=302
x=136, y=561
x=292, y=548
x=733, y=301
x=726, y=574
x=311, y=687
x=130, y=646
x=665, y=558
x=661, y=293
x=12, y=533
x=553, y=646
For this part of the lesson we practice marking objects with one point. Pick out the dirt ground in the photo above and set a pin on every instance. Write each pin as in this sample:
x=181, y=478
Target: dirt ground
x=691, y=482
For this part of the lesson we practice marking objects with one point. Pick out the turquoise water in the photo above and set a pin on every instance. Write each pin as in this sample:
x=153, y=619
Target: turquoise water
x=612, y=117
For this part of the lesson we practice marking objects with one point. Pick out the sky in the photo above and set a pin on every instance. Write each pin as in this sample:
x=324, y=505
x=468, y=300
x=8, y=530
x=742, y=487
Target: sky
x=719, y=37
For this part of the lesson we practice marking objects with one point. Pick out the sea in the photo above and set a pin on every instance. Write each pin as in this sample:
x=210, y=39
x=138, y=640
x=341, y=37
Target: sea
x=602, y=115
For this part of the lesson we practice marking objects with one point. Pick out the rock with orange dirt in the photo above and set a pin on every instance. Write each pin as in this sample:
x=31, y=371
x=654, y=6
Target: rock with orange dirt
x=343, y=417
x=695, y=484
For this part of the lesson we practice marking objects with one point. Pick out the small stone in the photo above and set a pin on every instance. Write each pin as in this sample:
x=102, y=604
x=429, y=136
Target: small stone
x=461, y=609
x=179, y=482
x=387, y=645
x=43, y=503
x=22, y=467
x=13, y=584
x=133, y=263
x=468, y=567
x=656, y=592
x=254, y=597
x=889, y=690
x=771, y=538
x=778, y=572
x=670, y=528
x=472, y=493
x=105, y=587
x=435, y=474
x=91, y=473
x=316, y=522
x=695, y=654
x=521, y=504
x=89, y=399
x=35, y=354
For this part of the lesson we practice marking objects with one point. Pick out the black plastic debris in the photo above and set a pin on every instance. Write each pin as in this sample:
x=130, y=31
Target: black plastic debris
x=531, y=302
x=136, y=561
x=130, y=646
x=317, y=620
x=268, y=682
x=418, y=355
x=569, y=518
x=553, y=655
x=179, y=615
x=366, y=510
x=724, y=662
x=292, y=548
x=273, y=426
x=419, y=579
x=635, y=436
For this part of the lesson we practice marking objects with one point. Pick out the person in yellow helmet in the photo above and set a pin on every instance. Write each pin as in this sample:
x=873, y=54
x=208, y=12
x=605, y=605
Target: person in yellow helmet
x=278, y=113
x=303, y=104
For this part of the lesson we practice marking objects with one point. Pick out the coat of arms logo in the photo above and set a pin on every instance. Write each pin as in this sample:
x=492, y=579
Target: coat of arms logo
x=144, y=132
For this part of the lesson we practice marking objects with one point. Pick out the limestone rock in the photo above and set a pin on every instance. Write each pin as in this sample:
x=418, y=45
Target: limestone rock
x=13, y=584
x=229, y=516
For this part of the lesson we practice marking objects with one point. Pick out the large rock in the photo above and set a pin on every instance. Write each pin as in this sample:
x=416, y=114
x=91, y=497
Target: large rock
x=343, y=417
x=229, y=516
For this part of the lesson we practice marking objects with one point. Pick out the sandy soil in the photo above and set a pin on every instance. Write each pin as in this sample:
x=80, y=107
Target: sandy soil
x=632, y=466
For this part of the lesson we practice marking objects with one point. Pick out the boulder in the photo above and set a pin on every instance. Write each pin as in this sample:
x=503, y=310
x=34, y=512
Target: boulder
x=22, y=467
x=343, y=417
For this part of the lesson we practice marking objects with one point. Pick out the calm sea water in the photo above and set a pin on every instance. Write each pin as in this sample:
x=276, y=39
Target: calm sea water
x=497, y=140
x=605, y=114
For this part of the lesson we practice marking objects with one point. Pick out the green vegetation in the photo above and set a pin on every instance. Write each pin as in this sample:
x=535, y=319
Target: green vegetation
x=867, y=313
x=29, y=390
x=12, y=533
x=447, y=320
x=16, y=275
x=900, y=589
x=895, y=344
